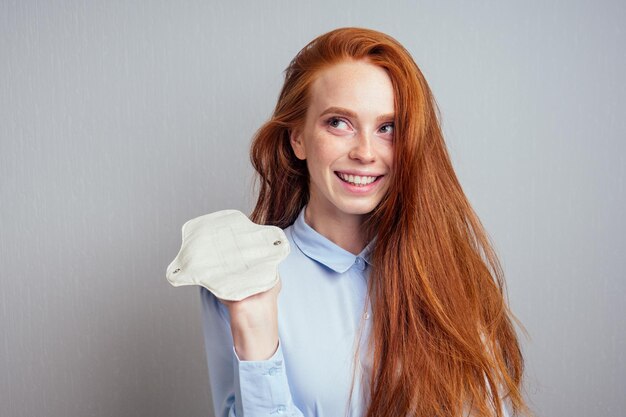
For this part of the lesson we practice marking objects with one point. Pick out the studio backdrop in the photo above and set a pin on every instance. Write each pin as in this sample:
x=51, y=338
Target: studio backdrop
x=119, y=121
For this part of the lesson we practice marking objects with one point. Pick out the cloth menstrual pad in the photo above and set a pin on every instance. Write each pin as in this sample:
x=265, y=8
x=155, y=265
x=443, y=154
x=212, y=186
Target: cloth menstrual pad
x=229, y=255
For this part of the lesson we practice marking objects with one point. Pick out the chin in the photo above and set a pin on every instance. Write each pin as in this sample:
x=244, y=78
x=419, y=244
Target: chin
x=358, y=209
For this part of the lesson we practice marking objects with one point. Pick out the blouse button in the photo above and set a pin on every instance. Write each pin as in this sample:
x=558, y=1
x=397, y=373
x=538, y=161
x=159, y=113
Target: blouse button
x=273, y=371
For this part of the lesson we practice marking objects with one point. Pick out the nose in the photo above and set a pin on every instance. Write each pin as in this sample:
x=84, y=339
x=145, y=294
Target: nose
x=362, y=149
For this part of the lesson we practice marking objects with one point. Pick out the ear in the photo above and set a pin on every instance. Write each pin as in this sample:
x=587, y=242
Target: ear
x=297, y=144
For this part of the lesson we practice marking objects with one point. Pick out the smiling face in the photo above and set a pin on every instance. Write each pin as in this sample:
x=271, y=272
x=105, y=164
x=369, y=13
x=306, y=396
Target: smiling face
x=347, y=140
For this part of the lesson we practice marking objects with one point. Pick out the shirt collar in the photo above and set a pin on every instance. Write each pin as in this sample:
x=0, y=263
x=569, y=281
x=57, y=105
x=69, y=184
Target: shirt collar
x=322, y=250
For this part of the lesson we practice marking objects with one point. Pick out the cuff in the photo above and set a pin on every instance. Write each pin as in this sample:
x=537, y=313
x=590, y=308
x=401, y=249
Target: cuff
x=262, y=386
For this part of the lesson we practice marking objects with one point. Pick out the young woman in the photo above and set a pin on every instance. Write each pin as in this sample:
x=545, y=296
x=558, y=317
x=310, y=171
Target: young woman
x=391, y=300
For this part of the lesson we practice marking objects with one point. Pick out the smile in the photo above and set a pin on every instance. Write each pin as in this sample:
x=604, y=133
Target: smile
x=359, y=180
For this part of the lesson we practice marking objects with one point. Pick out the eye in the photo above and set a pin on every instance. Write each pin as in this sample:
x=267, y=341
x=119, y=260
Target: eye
x=387, y=128
x=337, y=123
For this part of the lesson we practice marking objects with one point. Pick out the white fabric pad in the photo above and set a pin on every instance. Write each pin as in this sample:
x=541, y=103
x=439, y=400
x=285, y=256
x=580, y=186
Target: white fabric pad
x=229, y=255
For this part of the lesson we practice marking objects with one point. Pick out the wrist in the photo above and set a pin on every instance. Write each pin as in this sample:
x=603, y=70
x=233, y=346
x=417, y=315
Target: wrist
x=255, y=331
x=248, y=350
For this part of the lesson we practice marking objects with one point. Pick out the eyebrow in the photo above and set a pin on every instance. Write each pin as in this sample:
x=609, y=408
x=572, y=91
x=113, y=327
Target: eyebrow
x=349, y=113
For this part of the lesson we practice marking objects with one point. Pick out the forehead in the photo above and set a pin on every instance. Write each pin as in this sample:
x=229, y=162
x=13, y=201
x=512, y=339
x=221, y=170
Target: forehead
x=356, y=85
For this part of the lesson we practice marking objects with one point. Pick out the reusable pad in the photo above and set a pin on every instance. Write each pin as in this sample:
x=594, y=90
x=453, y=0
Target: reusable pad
x=229, y=255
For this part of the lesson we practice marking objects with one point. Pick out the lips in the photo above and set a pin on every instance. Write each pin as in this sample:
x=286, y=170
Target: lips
x=357, y=180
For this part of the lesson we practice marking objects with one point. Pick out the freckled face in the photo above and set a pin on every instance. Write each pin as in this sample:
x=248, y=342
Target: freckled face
x=347, y=139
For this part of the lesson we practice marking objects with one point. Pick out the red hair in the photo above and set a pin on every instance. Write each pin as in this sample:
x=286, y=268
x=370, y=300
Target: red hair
x=442, y=338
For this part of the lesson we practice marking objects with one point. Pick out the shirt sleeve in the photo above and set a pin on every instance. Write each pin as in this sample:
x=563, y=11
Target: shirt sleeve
x=241, y=388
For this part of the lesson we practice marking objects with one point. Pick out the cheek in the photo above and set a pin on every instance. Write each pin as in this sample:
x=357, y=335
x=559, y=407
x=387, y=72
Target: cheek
x=386, y=154
x=324, y=152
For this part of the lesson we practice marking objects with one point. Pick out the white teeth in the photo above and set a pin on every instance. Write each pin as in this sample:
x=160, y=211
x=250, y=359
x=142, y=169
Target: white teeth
x=357, y=179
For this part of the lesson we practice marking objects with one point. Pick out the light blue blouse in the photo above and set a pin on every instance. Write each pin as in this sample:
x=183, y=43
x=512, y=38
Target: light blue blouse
x=324, y=322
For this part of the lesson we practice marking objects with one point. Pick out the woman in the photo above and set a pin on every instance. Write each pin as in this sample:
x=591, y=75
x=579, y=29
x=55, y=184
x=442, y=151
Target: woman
x=392, y=298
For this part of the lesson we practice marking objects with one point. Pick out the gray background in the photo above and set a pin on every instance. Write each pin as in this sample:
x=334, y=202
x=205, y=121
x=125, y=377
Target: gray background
x=121, y=120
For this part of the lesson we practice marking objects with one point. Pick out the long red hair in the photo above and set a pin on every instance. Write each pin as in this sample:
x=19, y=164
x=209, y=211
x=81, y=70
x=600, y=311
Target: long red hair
x=442, y=336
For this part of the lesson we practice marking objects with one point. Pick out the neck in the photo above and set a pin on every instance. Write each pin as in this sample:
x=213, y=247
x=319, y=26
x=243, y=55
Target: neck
x=344, y=230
